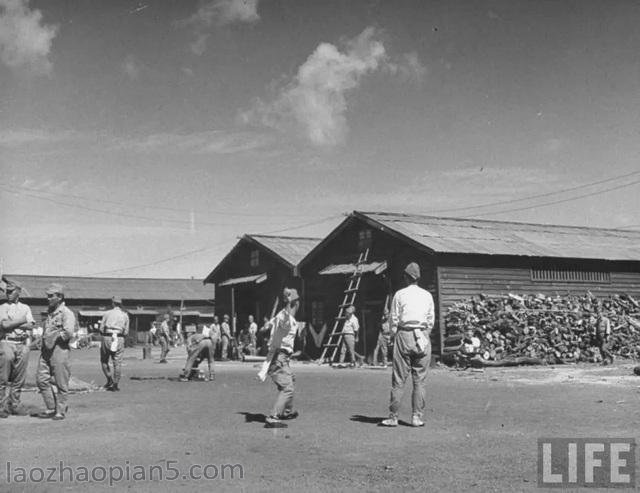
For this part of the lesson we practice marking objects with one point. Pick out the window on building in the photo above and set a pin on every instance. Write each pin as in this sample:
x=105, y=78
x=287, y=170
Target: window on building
x=317, y=313
x=364, y=239
x=569, y=275
x=254, y=260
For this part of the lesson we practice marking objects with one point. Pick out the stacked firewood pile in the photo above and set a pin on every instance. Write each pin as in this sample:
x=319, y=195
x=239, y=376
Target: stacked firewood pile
x=552, y=329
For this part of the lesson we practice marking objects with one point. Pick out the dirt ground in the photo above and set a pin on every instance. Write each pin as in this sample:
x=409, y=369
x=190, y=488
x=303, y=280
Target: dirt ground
x=481, y=428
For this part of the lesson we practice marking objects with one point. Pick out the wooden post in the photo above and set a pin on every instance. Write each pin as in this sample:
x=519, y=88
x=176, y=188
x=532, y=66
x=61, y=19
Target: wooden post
x=233, y=311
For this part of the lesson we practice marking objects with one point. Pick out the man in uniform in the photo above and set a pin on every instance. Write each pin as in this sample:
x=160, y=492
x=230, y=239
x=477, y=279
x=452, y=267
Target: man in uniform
x=412, y=316
x=602, y=333
x=54, y=357
x=276, y=365
x=114, y=327
x=349, y=336
x=383, y=340
x=164, y=335
x=15, y=320
x=225, y=333
x=199, y=346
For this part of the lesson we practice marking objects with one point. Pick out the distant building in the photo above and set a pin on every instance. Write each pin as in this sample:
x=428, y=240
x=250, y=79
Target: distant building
x=460, y=258
x=144, y=299
x=250, y=278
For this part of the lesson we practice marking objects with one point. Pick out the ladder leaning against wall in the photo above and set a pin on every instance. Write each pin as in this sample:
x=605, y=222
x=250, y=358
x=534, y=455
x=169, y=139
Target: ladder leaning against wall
x=330, y=348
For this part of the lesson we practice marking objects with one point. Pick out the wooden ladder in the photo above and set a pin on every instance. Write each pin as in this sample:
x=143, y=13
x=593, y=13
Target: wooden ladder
x=330, y=348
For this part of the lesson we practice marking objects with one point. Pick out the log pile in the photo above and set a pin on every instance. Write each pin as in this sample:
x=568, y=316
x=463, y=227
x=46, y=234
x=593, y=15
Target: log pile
x=553, y=329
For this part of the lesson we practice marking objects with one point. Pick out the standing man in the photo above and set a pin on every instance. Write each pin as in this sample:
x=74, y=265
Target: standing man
x=349, y=336
x=214, y=329
x=54, y=356
x=602, y=333
x=412, y=316
x=114, y=327
x=383, y=340
x=276, y=365
x=253, y=334
x=15, y=320
x=164, y=335
x=225, y=333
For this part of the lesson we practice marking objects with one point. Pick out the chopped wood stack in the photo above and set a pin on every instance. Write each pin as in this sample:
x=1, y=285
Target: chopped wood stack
x=554, y=329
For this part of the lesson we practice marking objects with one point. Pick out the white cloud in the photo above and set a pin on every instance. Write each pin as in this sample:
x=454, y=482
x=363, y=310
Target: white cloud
x=214, y=142
x=130, y=67
x=409, y=68
x=15, y=138
x=219, y=13
x=25, y=43
x=316, y=98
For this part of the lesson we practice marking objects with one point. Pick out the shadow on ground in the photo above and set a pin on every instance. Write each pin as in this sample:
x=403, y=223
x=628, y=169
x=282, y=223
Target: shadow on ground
x=254, y=417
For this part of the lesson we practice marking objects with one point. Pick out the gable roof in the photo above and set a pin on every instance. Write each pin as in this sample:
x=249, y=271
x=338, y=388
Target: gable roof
x=105, y=287
x=481, y=237
x=288, y=250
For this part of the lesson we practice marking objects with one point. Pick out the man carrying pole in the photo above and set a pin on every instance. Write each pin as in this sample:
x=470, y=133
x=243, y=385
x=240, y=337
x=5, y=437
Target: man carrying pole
x=283, y=335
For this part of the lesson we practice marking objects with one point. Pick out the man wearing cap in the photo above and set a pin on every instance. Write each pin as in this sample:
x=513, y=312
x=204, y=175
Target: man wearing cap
x=164, y=336
x=349, y=335
x=384, y=338
x=412, y=317
x=114, y=327
x=15, y=320
x=283, y=335
x=225, y=334
x=199, y=346
x=53, y=366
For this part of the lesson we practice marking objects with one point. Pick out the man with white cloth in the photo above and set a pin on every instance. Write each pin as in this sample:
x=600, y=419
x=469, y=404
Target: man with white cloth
x=412, y=316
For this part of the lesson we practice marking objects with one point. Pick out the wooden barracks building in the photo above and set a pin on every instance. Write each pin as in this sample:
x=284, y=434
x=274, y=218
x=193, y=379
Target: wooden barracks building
x=145, y=300
x=460, y=258
x=251, y=277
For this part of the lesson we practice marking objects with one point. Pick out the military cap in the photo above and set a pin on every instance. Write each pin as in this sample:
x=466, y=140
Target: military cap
x=117, y=299
x=290, y=294
x=413, y=270
x=10, y=285
x=55, y=288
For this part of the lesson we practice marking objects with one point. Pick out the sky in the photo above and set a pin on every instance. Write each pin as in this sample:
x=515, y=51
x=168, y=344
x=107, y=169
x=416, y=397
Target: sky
x=143, y=138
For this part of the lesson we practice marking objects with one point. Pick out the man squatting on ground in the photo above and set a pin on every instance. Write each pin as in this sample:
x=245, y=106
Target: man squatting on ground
x=54, y=356
x=412, y=317
x=15, y=320
x=199, y=346
x=114, y=327
x=283, y=335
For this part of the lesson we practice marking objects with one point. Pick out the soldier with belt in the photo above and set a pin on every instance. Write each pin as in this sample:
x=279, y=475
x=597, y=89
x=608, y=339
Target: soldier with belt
x=53, y=367
x=412, y=317
x=114, y=327
x=15, y=320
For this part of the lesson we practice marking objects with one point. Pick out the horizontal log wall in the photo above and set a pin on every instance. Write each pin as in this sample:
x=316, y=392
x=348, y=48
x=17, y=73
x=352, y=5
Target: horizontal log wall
x=460, y=283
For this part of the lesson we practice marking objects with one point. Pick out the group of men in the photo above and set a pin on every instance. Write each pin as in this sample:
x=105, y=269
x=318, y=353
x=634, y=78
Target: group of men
x=410, y=319
x=53, y=373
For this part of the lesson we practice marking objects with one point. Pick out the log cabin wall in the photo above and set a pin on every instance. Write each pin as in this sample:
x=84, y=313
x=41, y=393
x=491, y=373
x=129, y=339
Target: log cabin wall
x=463, y=276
